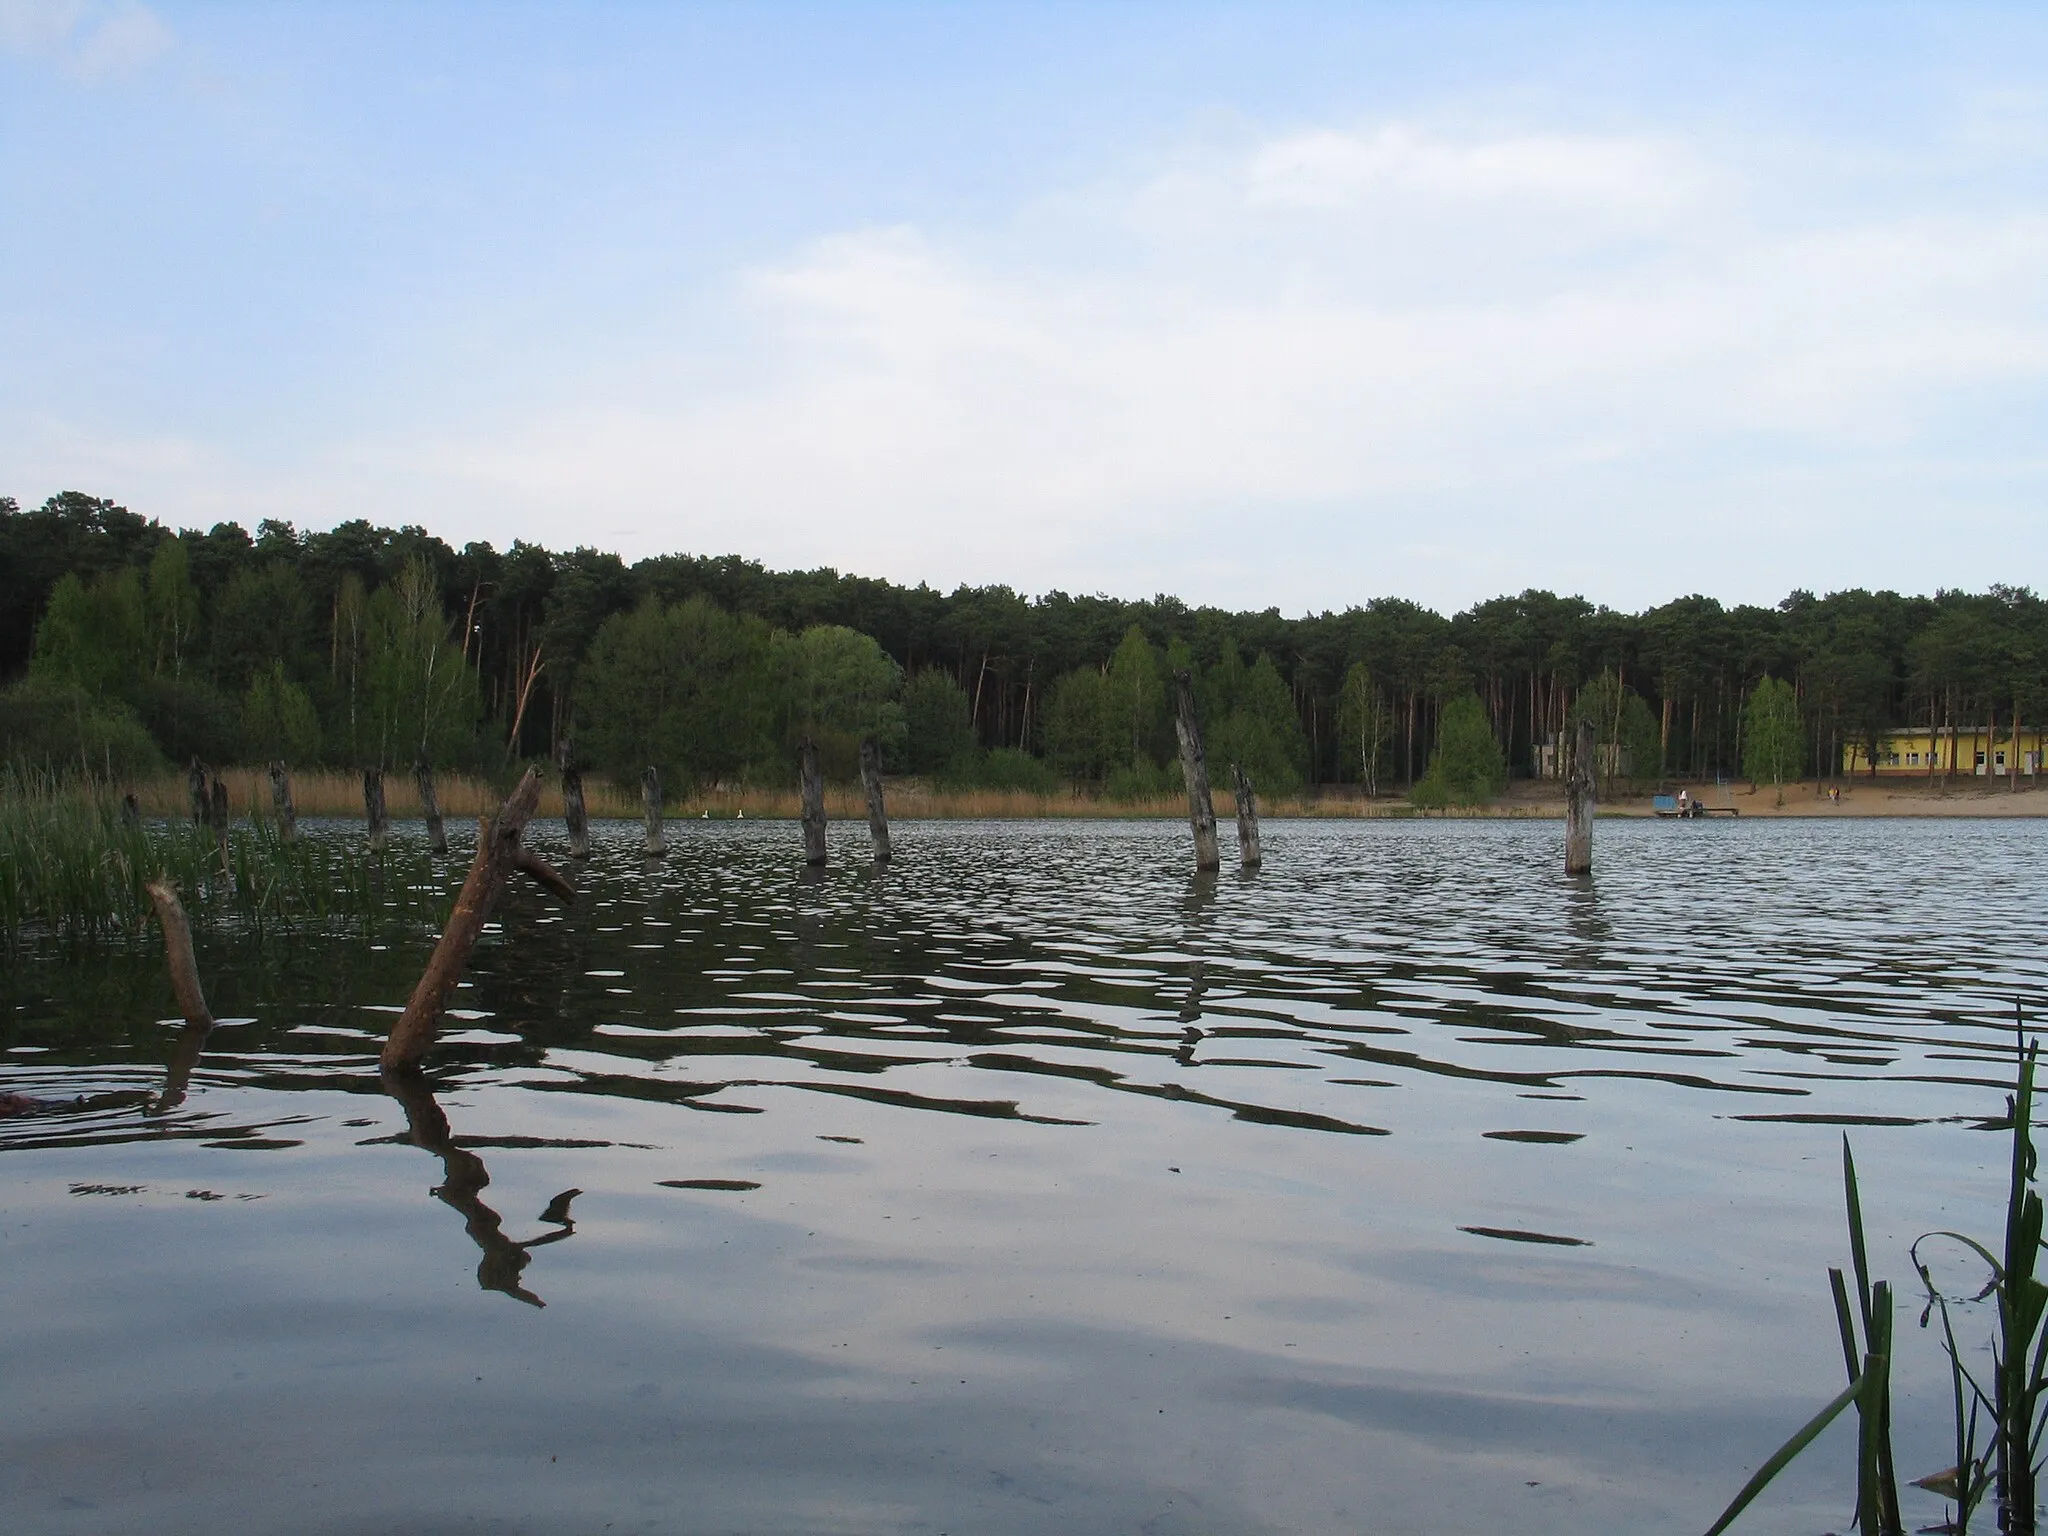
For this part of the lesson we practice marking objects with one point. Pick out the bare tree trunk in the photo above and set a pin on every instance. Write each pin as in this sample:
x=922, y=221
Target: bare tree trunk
x=878, y=811
x=811, y=791
x=170, y=913
x=430, y=807
x=498, y=854
x=373, y=809
x=1194, y=768
x=1579, y=805
x=650, y=807
x=574, y=816
x=281, y=799
x=1248, y=849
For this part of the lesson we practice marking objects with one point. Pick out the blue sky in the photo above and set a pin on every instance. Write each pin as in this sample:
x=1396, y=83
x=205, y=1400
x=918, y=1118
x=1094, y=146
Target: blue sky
x=1261, y=305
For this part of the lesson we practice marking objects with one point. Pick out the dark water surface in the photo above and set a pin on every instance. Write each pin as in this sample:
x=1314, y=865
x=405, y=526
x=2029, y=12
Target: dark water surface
x=1029, y=1186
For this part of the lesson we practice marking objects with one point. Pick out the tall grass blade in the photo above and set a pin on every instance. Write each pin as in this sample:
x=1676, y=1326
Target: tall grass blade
x=1783, y=1456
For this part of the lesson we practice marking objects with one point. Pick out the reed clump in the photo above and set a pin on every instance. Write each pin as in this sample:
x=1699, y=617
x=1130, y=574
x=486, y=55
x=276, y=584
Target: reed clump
x=75, y=862
x=1998, y=1428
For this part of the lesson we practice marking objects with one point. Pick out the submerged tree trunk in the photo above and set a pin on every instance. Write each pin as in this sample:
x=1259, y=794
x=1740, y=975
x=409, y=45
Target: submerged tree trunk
x=1579, y=804
x=656, y=845
x=878, y=811
x=574, y=816
x=281, y=799
x=1248, y=849
x=498, y=853
x=430, y=807
x=811, y=793
x=1194, y=768
x=373, y=809
x=170, y=913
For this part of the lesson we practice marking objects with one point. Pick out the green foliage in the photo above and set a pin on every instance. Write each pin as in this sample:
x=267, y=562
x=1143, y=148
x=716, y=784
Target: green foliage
x=172, y=606
x=686, y=688
x=1081, y=735
x=1144, y=781
x=1625, y=734
x=837, y=685
x=1134, y=701
x=937, y=728
x=1252, y=722
x=57, y=728
x=421, y=698
x=1467, y=768
x=1365, y=726
x=279, y=721
x=1772, y=745
x=94, y=638
x=263, y=615
x=1004, y=768
x=189, y=717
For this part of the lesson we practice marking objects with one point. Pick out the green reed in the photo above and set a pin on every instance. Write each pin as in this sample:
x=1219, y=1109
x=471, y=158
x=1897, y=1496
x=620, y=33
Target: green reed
x=74, y=864
x=2016, y=1405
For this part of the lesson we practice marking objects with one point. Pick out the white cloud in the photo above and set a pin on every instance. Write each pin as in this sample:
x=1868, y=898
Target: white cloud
x=1527, y=331
x=1304, y=370
x=88, y=39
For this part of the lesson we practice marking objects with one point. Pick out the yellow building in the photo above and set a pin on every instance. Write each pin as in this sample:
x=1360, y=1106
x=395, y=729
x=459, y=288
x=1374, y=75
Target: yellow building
x=1971, y=750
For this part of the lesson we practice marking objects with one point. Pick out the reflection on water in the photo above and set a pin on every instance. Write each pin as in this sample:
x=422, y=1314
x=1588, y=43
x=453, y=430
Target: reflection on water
x=1028, y=1185
x=461, y=1189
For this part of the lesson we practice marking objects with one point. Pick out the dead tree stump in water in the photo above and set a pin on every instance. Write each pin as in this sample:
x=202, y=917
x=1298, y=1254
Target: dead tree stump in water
x=170, y=913
x=281, y=798
x=1194, y=768
x=811, y=790
x=195, y=787
x=878, y=811
x=650, y=804
x=131, y=809
x=220, y=826
x=430, y=807
x=1578, y=805
x=1248, y=849
x=574, y=815
x=374, y=816
x=498, y=854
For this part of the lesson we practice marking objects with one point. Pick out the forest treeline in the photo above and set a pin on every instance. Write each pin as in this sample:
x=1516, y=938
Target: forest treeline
x=124, y=644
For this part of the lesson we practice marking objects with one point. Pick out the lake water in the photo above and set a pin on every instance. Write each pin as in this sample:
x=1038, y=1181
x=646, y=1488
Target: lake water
x=1031, y=1185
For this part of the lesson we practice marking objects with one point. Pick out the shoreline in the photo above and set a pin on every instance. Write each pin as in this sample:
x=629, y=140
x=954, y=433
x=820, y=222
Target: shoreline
x=334, y=794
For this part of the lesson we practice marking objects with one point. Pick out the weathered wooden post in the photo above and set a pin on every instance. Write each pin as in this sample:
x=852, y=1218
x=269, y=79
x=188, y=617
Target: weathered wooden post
x=373, y=809
x=281, y=798
x=195, y=787
x=650, y=803
x=1578, y=805
x=878, y=811
x=1194, y=769
x=170, y=912
x=219, y=810
x=574, y=815
x=498, y=854
x=437, y=835
x=811, y=789
x=1248, y=849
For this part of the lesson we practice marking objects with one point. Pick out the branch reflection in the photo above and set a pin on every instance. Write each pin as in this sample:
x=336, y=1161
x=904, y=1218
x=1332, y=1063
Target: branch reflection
x=463, y=1180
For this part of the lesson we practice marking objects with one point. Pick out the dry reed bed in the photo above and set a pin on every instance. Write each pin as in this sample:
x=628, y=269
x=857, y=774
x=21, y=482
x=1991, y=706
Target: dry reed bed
x=329, y=792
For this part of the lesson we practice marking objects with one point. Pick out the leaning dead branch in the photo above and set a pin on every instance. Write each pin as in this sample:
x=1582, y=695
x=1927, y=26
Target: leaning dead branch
x=498, y=855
